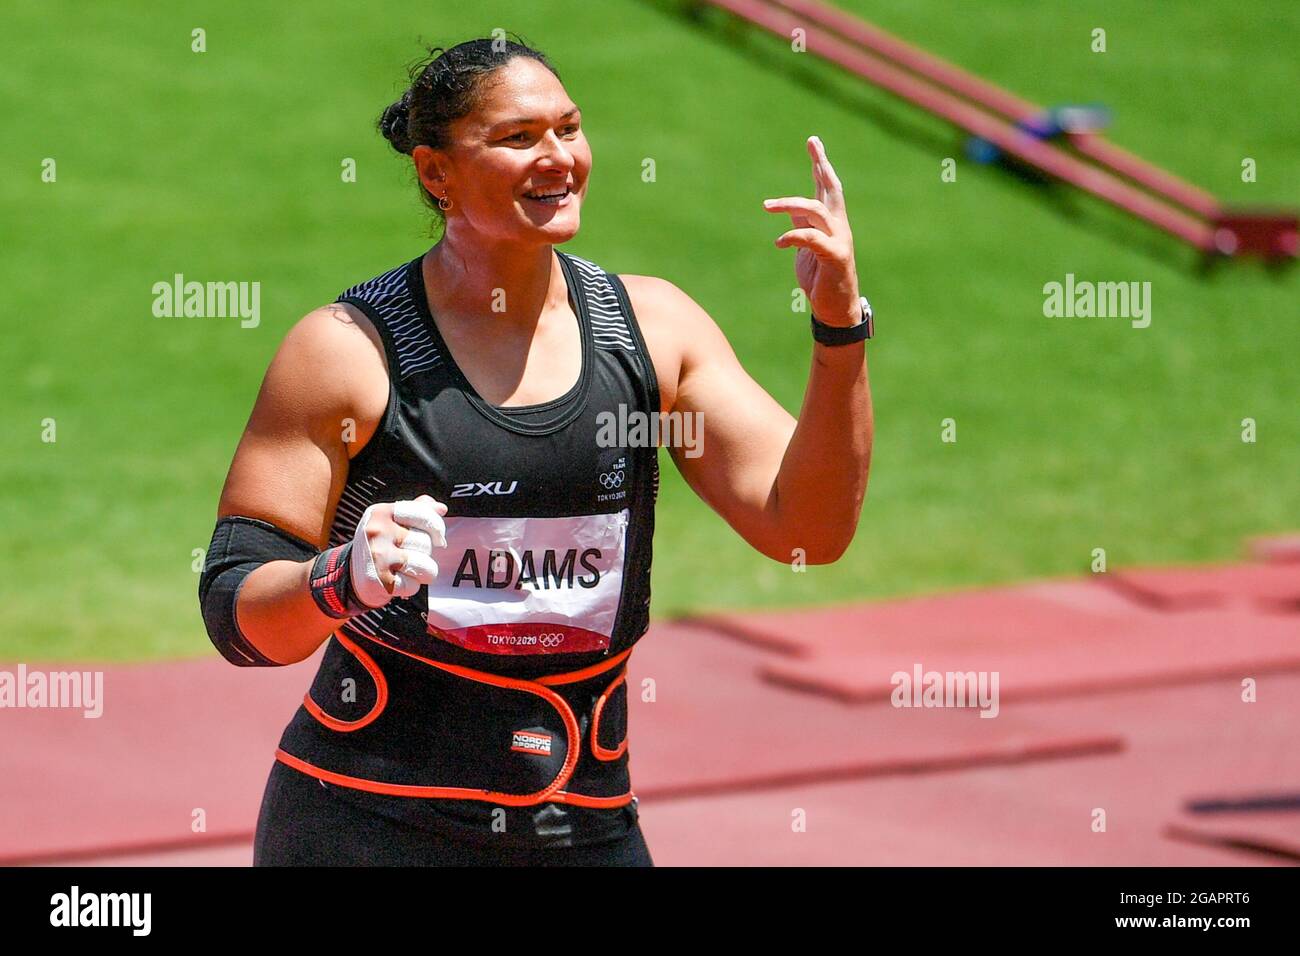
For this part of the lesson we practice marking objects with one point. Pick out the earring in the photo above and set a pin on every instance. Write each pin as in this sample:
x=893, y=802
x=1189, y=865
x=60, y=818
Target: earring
x=444, y=203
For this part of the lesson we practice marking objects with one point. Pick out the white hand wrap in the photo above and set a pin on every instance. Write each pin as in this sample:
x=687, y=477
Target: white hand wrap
x=425, y=530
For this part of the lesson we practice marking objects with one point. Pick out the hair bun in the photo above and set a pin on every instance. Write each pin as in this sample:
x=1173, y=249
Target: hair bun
x=395, y=123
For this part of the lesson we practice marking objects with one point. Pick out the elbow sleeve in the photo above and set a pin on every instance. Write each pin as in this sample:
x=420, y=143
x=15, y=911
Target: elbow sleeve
x=239, y=546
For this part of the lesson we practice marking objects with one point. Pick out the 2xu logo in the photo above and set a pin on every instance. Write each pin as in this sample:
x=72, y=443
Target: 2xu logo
x=470, y=488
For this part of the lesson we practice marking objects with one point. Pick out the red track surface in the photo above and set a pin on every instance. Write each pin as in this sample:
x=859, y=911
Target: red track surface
x=1125, y=697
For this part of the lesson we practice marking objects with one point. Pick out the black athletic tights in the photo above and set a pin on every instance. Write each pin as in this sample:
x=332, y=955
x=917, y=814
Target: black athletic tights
x=303, y=824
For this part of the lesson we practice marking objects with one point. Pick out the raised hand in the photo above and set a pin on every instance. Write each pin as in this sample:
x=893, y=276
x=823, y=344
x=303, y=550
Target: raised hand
x=824, y=265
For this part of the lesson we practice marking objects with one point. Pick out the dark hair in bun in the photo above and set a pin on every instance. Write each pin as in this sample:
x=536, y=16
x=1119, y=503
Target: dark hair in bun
x=445, y=87
x=394, y=122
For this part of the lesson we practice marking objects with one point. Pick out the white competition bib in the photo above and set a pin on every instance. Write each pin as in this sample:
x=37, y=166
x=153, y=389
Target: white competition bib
x=529, y=585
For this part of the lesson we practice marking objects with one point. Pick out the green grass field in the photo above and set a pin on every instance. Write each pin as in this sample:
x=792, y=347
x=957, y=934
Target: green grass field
x=1073, y=434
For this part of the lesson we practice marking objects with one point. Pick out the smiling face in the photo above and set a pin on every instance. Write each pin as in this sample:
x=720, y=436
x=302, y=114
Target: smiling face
x=524, y=138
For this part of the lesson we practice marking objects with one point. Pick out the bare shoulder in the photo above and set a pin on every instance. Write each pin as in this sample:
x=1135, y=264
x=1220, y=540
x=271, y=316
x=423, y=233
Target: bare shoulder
x=331, y=365
x=659, y=302
x=336, y=327
x=677, y=328
x=651, y=296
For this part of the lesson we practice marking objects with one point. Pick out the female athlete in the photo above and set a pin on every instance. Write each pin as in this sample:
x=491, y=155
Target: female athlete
x=434, y=483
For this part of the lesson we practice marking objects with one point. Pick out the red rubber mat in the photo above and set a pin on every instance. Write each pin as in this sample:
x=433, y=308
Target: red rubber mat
x=1179, y=741
x=239, y=853
x=193, y=735
x=1054, y=638
x=712, y=732
x=714, y=726
x=1272, y=587
x=1182, y=740
x=1276, y=548
x=174, y=738
x=1008, y=616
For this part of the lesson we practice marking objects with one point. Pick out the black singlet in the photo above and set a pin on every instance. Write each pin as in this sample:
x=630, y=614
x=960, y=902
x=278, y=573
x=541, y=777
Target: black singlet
x=547, y=571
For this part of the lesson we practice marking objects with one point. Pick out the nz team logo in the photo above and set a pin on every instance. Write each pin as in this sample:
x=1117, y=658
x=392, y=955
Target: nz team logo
x=612, y=478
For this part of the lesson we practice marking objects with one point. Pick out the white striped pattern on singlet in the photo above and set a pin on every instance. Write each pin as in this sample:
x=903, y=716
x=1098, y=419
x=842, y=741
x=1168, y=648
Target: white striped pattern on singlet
x=608, y=324
x=356, y=497
x=390, y=296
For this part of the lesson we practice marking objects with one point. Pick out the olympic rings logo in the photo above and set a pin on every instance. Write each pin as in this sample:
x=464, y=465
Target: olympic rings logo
x=611, y=479
x=550, y=640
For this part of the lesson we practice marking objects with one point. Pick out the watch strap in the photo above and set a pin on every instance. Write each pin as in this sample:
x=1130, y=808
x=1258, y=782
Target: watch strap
x=845, y=334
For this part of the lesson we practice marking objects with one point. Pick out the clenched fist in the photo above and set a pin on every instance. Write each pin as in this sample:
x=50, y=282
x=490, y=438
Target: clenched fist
x=390, y=555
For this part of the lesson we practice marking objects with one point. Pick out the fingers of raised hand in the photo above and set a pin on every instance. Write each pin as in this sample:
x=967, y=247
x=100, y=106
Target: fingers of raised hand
x=830, y=189
x=814, y=240
x=812, y=211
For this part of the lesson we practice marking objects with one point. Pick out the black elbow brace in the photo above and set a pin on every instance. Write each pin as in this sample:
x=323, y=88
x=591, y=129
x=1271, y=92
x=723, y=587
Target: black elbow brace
x=239, y=546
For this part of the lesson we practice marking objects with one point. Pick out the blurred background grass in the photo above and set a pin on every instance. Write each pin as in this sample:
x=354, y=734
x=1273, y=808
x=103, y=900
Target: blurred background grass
x=1073, y=434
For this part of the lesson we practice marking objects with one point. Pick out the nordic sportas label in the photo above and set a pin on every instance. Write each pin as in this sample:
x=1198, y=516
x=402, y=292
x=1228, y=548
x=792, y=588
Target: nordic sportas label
x=529, y=585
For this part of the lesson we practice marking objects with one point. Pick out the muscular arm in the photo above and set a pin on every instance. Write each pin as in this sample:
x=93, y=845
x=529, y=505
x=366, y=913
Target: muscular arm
x=291, y=465
x=781, y=484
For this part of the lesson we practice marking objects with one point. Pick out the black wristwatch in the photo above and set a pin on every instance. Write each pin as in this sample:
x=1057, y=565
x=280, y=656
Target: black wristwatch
x=845, y=335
